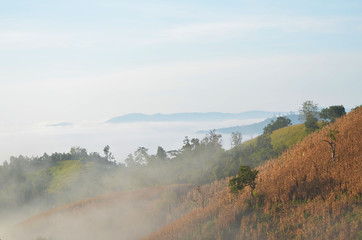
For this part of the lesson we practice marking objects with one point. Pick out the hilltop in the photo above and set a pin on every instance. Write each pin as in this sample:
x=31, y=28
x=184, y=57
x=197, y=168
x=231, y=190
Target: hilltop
x=302, y=194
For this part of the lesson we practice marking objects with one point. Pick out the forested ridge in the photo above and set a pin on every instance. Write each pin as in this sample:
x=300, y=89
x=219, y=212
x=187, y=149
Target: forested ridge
x=61, y=178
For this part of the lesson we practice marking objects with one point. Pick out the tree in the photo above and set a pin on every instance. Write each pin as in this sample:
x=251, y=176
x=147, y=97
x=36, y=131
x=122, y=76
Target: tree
x=130, y=162
x=187, y=146
x=141, y=156
x=161, y=153
x=173, y=153
x=78, y=153
x=195, y=143
x=280, y=122
x=331, y=113
x=236, y=138
x=245, y=177
x=108, y=154
x=308, y=109
x=213, y=139
x=311, y=124
x=331, y=135
x=309, y=114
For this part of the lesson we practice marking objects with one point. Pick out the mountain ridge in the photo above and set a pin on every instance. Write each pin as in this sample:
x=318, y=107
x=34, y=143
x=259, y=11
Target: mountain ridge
x=190, y=116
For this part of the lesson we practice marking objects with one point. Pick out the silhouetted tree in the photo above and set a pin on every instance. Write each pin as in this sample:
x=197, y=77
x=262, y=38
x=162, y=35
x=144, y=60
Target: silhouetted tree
x=108, y=154
x=213, y=139
x=141, y=156
x=161, y=153
x=186, y=145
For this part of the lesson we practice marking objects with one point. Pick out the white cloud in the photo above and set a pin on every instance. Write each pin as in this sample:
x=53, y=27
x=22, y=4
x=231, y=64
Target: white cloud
x=185, y=86
x=243, y=26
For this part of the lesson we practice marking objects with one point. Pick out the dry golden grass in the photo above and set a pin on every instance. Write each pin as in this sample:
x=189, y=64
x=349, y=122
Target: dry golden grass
x=301, y=195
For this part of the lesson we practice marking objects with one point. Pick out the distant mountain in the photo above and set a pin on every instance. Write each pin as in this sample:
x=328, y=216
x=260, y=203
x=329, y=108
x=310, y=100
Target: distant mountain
x=255, y=128
x=190, y=117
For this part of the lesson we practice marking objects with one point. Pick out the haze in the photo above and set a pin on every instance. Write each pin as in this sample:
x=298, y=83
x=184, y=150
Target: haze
x=85, y=62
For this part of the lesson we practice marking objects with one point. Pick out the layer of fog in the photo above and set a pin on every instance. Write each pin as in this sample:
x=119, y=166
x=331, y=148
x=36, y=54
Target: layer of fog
x=129, y=215
x=123, y=138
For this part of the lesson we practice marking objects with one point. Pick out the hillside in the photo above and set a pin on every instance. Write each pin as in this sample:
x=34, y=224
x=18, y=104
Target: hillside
x=303, y=174
x=121, y=215
x=301, y=195
x=284, y=137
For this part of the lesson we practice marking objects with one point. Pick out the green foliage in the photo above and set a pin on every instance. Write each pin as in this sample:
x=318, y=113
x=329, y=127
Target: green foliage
x=246, y=177
x=309, y=114
x=331, y=113
x=63, y=173
x=280, y=122
x=311, y=124
x=61, y=178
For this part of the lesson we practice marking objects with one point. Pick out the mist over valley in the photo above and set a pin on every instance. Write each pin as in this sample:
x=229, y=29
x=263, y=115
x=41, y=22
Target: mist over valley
x=180, y=120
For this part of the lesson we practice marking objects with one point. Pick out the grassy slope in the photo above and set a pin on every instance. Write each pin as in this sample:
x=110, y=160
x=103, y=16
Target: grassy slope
x=301, y=195
x=287, y=136
x=63, y=173
x=120, y=215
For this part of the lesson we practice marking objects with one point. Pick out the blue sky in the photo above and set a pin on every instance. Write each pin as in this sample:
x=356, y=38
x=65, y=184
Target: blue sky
x=79, y=42
x=89, y=61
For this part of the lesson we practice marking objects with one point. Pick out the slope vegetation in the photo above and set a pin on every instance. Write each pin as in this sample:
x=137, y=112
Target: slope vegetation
x=122, y=215
x=303, y=194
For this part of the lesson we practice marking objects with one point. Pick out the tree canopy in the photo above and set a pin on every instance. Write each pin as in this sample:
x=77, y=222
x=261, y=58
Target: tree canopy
x=245, y=177
x=309, y=113
x=280, y=122
x=331, y=113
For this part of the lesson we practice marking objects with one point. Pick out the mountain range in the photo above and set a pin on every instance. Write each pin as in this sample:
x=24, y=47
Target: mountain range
x=254, y=128
x=190, y=117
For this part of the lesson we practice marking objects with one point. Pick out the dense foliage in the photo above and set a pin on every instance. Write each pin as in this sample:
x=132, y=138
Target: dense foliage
x=245, y=178
x=331, y=113
x=61, y=178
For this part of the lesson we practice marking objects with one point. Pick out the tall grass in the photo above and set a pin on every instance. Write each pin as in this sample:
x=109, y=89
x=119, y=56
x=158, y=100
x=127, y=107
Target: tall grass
x=303, y=194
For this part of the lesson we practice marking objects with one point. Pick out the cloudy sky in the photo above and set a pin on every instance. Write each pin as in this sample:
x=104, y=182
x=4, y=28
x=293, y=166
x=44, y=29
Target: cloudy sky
x=87, y=61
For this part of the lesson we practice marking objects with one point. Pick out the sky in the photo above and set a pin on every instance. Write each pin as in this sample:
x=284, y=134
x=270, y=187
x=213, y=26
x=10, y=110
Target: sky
x=85, y=62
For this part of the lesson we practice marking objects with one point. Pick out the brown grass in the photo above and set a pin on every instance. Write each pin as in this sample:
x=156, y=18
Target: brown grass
x=301, y=195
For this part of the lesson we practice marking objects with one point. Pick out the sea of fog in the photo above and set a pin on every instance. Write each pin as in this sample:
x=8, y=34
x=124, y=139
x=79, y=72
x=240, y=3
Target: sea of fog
x=123, y=138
